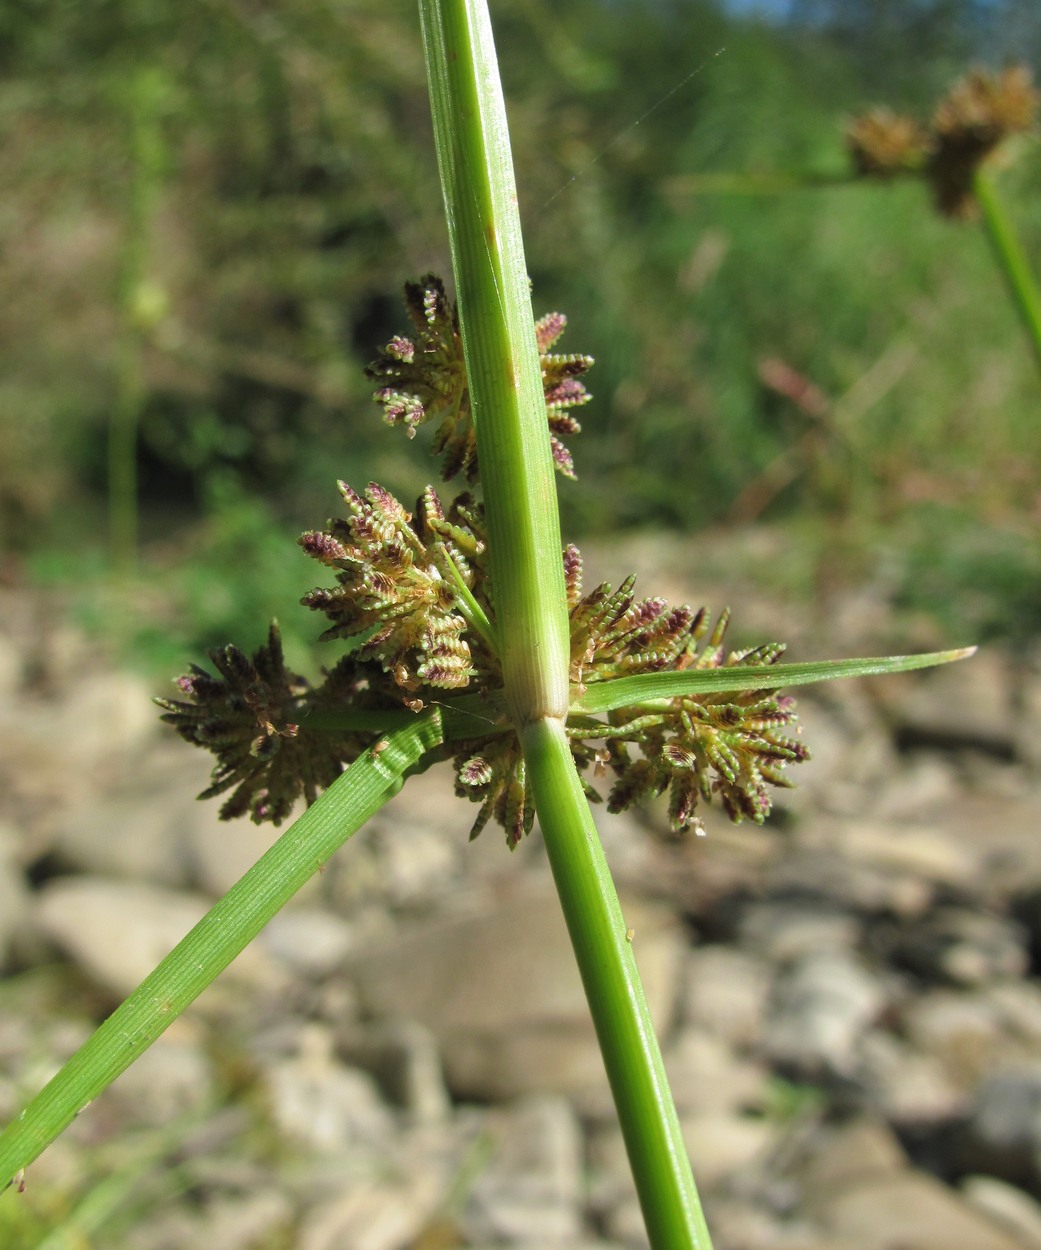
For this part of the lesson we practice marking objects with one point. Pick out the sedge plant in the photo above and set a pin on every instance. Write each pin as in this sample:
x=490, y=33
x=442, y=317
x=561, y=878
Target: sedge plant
x=467, y=639
x=958, y=154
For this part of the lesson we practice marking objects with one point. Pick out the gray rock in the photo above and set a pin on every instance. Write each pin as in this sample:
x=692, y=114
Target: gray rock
x=725, y=993
x=128, y=834
x=1003, y=1134
x=848, y=1153
x=496, y=982
x=926, y=852
x=317, y=1101
x=173, y=1077
x=403, y=1057
x=820, y=1009
x=931, y=707
x=826, y=876
x=309, y=940
x=908, y=1087
x=241, y=1222
x=783, y=930
x=372, y=1215
x=1009, y=1208
x=964, y=947
x=958, y=1029
x=1028, y=719
x=706, y=1076
x=908, y=1210
x=221, y=851
x=16, y=937
x=722, y=1143
x=531, y=1187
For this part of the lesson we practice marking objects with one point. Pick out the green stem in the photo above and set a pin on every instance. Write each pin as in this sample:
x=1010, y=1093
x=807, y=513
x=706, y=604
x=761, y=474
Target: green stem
x=222, y=934
x=502, y=359
x=532, y=624
x=1011, y=258
x=604, y=951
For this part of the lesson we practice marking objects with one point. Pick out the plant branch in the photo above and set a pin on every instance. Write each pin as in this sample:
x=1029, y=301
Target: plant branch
x=1011, y=257
x=215, y=941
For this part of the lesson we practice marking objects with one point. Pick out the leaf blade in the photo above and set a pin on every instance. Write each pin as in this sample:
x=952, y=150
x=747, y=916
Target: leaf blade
x=627, y=691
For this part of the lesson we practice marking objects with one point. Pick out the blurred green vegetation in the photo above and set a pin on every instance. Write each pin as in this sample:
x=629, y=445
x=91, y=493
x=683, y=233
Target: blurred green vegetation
x=210, y=209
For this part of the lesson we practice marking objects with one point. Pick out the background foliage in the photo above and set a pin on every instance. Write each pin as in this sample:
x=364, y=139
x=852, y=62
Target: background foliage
x=209, y=211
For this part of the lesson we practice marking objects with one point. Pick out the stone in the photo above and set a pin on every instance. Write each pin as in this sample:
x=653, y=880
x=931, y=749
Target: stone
x=496, y=983
x=908, y=1210
x=220, y=852
x=783, y=929
x=241, y=1222
x=910, y=1088
x=849, y=1152
x=403, y=1057
x=322, y=1104
x=721, y=1143
x=964, y=947
x=118, y=931
x=309, y=940
x=725, y=993
x=1008, y=1207
x=825, y=876
x=16, y=936
x=958, y=1029
x=1003, y=1133
x=371, y=1215
x=923, y=851
x=705, y=1076
x=970, y=704
x=821, y=1007
x=173, y=1077
x=128, y=834
x=531, y=1186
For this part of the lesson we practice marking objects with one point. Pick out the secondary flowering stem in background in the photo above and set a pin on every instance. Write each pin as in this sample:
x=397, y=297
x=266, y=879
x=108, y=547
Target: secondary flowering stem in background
x=1011, y=258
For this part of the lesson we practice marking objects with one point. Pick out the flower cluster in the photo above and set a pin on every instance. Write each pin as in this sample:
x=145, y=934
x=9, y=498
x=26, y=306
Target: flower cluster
x=732, y=744
x=254, y=717
x=424, y=379
x=976, y=116
x=615, y=635
x=395, y=589
x=413, y=596
x=492, y=773
x=883, y=144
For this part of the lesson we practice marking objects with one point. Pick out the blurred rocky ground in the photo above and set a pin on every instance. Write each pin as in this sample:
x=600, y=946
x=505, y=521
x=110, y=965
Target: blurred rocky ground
x=848, y=999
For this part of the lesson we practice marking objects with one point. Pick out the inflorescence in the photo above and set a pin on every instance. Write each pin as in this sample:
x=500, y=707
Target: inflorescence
x=969, y=124
x=414, y=602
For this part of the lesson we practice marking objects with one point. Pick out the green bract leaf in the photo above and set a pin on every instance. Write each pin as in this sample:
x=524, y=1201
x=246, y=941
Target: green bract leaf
x=645, y=687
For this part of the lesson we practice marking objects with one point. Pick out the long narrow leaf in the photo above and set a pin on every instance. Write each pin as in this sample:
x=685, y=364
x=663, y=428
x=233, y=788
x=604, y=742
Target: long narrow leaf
x=215, y=941
x=627, y=691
